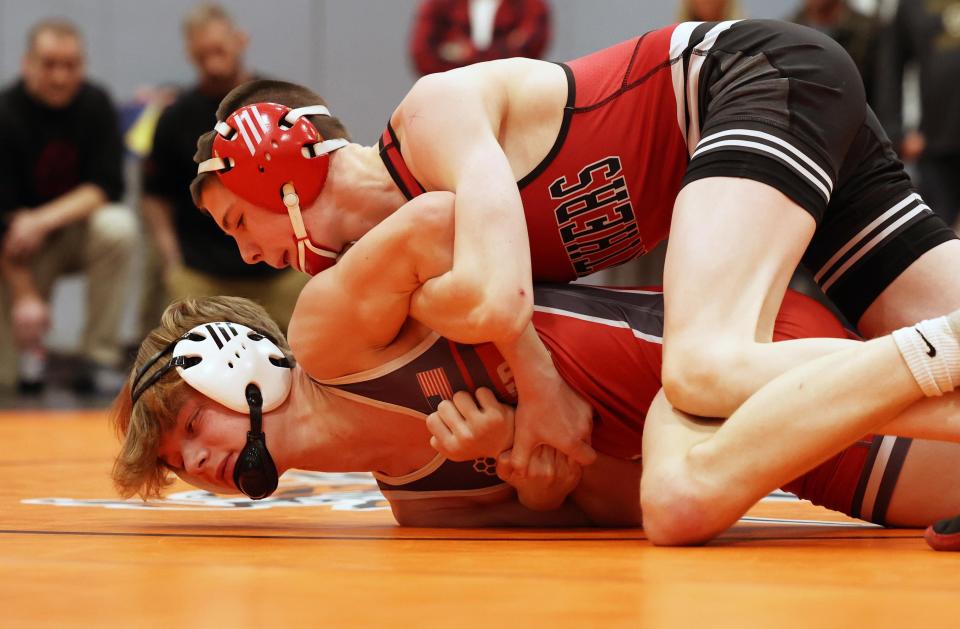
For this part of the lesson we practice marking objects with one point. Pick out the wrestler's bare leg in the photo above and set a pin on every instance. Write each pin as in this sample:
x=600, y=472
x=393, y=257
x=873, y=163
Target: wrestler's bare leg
x=928, y=487
x=734, y=244
x=700, y=477
x=930, y=287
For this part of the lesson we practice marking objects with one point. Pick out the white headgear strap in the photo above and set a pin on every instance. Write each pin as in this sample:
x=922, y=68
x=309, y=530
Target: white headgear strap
x=231, y=357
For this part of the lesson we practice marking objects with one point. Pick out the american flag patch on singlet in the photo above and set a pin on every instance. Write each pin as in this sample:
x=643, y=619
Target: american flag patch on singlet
x=435, y=385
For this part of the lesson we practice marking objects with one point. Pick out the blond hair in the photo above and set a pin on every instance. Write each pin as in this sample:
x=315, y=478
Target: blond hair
x=138, y=468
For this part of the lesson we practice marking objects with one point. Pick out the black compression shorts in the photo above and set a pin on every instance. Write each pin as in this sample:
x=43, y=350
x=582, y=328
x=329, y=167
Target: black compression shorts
x=784, y=105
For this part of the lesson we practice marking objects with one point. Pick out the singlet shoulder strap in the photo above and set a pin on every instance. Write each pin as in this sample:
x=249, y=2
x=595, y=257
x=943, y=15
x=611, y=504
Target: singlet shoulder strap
x=393, y=160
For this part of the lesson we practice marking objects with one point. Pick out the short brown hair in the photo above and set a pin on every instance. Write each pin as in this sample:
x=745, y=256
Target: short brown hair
x=57, y=25
x=138, y=469
x=263, y=91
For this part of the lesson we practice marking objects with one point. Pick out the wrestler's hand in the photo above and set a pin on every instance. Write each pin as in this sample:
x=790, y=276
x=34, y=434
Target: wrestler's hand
x=554, y=414
x=464, y=429
x=549, y=478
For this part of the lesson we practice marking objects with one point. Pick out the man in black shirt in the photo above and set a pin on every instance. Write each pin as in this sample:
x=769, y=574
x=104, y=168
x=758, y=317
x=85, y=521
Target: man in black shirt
x=60, y=180
x=193, y=257
x=927, y=33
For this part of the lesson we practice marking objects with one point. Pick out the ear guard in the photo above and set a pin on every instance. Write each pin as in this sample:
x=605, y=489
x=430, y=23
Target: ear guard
x=254, y=472
x=241, y=369
x=273, y=157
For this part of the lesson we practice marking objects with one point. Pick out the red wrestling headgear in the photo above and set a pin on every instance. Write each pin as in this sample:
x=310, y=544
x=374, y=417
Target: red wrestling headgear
x=273, y=157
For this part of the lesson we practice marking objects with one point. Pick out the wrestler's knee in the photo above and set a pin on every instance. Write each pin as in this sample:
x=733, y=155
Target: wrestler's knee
x=678, y=510
x=698, y=376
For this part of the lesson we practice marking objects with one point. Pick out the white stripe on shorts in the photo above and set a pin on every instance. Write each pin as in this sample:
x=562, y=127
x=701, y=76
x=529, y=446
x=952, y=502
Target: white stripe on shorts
x=693, y=81
x=774, y=139
x=876, y=477
x=679, y=40
x=827, y=276
x=766, y=148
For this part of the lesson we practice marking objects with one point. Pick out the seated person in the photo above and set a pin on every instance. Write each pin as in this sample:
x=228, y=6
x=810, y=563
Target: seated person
x=369, y=378
x=191, y=255
x=60, y=181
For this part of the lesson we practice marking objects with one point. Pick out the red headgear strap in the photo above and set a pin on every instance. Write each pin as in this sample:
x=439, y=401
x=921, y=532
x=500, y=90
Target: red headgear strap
x=273, y=157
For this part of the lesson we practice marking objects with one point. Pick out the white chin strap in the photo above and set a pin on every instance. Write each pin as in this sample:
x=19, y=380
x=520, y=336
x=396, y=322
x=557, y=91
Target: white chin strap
x=292, y=201
x=290, y=198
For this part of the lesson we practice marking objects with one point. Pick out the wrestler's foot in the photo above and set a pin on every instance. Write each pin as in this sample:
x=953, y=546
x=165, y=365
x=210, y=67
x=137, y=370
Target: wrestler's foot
x=944, y=535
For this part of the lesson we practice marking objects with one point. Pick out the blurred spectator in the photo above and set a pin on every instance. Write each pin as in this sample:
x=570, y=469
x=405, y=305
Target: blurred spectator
x=708, y=10
x=449, y=34
x=192, y=256
x=60, y=181
x=856, y=32
x=928, y=35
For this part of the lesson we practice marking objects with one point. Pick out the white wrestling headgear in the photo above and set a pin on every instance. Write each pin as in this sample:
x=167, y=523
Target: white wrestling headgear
x=241, y=369
x=231, y=357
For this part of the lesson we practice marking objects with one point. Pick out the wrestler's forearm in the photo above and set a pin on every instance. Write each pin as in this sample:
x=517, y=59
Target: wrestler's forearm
x=529, y=360
x=491, y=247
x=459, y=310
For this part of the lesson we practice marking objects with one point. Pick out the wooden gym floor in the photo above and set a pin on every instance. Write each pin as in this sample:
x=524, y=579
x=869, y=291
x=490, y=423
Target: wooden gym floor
x=325, y=553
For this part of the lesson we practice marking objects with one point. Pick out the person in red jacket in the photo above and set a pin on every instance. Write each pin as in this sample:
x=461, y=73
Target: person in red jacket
x=449, y=34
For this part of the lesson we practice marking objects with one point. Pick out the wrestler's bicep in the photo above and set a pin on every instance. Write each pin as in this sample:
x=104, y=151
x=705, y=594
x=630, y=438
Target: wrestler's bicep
x=449, y=128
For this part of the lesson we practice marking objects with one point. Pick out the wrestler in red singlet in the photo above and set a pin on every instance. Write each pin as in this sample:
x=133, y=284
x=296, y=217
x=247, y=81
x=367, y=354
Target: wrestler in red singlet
x=607, y=344
x=757, y=99
x=599, y=198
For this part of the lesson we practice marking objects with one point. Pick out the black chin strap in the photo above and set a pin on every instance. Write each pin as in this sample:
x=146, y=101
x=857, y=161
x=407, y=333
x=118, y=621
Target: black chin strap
x=255, y=473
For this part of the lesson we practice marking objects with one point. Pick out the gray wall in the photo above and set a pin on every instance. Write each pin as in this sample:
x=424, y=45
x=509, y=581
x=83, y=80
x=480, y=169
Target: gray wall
x=352, y=51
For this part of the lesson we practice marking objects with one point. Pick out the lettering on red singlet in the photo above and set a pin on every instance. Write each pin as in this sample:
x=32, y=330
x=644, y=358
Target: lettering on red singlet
x=595, y=218
x=506, y=378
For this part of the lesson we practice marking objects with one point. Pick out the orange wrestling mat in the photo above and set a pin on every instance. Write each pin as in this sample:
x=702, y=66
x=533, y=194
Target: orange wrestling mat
x=325, y=552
